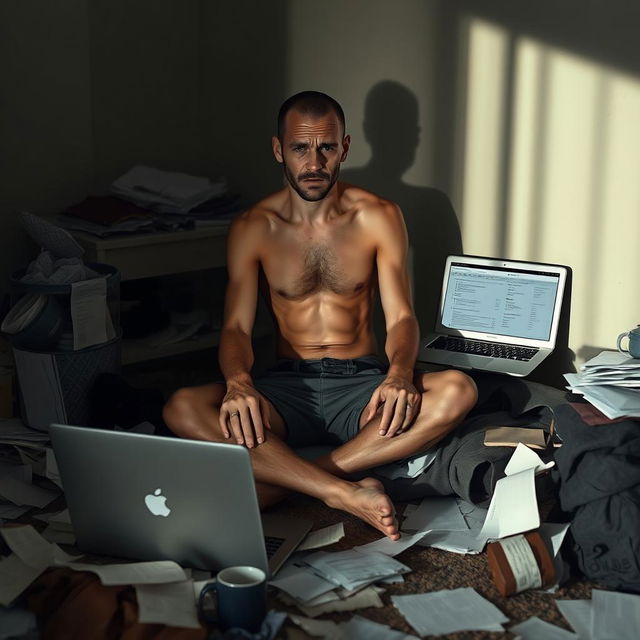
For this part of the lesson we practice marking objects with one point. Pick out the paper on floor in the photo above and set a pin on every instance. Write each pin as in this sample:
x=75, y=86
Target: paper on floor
x=159, y=572
x=24, y=493
x=436, y=513
x=524, y=458
x=536, y=629
x=352, y=568
x=15, y=577
x=449, y=611
x=301, y=583
x=513, y=508
x=318, y=628
x=359, y=627
x=368, y=597
x=392, y=547
x=578, y=614
x=322, y=537
x=32, y=548
x=616, y=616
x=171, y=604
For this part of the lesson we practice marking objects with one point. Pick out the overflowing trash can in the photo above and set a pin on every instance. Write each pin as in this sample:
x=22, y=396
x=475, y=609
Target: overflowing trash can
x=64, y=328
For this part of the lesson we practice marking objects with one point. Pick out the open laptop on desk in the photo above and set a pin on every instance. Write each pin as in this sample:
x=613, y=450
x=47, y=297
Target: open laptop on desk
x=154, y=498
x=496, y=315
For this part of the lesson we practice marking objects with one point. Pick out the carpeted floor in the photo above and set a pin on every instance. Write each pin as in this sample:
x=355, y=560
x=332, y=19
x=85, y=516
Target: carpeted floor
x=432, y=570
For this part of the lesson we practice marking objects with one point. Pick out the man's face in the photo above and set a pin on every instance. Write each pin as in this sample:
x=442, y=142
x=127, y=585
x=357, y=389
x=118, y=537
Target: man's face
x=311, y=152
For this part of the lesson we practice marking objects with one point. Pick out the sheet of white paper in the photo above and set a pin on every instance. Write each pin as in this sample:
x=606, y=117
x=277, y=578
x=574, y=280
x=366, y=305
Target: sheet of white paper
x=359, y=627
x=449, y=611
x=454, y=541
x=578, y=614
x=352, y=568
x=409, y=467
x=159, y=572
x=524, y=458
x=616, y=616
x=29, y=546
x=436, y=513
x=15, y=577
x=366, y=598
x=23, y=493
x=302, y=584
x=536, y=629
x=88, y=312
x=553, y=534
x=171, y=604
x=607, y=359
x=322, y=537
x=513, y=507
x=12, y=511
x=390, y=547
x=473, y=515
x=318, y=628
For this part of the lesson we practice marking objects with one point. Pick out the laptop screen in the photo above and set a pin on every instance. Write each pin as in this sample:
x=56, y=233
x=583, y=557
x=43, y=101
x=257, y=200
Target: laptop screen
x=503, y=301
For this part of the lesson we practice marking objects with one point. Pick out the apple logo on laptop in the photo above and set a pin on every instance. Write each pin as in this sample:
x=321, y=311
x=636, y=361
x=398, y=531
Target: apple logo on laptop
x=156, y=504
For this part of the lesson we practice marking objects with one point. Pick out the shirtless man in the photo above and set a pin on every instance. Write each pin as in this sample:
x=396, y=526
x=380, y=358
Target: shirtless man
x=319, y=248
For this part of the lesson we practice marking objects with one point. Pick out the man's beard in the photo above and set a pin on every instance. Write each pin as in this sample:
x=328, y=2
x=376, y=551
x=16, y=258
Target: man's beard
x=316, y=195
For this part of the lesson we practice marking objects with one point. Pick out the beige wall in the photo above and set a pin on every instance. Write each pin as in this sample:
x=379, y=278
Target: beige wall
x=523, y=114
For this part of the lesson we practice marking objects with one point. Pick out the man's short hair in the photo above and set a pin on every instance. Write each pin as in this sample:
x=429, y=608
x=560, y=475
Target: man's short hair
x=313, y=103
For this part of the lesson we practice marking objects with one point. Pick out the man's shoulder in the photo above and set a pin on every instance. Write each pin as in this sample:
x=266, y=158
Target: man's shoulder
x=366, y=201
x=259, y=215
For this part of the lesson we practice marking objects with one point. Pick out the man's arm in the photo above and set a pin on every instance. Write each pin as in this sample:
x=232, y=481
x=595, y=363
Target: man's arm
x=243, y=412
x=397, y=392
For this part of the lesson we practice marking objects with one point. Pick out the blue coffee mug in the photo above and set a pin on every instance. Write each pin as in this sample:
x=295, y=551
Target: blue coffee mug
x=241, y=595
x=634, y=342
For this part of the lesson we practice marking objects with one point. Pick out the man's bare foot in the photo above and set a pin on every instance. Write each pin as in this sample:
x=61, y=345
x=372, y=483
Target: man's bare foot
x=367, y=500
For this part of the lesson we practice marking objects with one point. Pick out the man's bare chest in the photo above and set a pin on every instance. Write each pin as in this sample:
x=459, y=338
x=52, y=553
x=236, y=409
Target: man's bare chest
x=296, y=268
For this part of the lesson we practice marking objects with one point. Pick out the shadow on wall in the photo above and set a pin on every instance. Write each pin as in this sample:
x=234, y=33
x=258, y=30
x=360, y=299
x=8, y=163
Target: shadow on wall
x=392, y=130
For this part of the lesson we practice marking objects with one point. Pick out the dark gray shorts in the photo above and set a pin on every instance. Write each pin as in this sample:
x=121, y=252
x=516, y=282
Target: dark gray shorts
x=321, y=400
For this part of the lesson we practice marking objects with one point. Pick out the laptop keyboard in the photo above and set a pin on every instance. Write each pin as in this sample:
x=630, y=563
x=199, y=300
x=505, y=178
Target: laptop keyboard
x=272, y=544
x=480, y=348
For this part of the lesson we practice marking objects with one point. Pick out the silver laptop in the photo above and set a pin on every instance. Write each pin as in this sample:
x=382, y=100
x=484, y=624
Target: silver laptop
x=154, y=498
x=496, y=315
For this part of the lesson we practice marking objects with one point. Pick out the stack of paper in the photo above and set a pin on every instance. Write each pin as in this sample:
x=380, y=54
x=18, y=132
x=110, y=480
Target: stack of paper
x=22, y=454
x=610, y=382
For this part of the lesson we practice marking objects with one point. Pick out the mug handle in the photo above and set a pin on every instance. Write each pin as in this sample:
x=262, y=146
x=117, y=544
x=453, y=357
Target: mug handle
x=207, y=617
x=619, y=343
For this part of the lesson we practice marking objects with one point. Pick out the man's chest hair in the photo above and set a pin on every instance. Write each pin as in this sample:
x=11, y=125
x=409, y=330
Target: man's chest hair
x=316, y=267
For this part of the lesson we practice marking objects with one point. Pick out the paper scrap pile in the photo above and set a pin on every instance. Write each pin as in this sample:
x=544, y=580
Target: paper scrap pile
x=610, y=382
x=23, y=455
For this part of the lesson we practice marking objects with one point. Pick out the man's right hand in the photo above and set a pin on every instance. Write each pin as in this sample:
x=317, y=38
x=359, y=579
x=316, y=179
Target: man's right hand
x=244, y=413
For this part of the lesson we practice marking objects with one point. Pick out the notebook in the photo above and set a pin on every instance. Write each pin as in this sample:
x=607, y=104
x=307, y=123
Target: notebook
x=155, y=498
x=496, y=315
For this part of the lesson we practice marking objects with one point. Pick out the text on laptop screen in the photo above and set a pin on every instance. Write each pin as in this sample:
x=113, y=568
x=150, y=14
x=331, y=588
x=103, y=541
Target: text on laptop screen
x=499, y=300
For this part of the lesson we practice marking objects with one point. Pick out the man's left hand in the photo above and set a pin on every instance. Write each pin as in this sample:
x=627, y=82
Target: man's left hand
x=400, y=403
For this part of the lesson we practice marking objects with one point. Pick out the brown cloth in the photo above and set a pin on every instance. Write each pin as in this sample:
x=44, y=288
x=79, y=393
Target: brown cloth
x=74, y=605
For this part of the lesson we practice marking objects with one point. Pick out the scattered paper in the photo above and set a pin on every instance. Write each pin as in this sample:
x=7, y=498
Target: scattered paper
x=351, y=569
x=15, y=577
x=359, y=627
x=12, y=511
x=513, y=508
x=51, y=468
x=524, y=458
x=301, y=583
x=171, y=604
x=51, y=534
x=368, y=597
x=463, y=542
x=578, y=614
x=318, y=628
x=159, y=572
x=392, y=547
x=24, y=493
x=616, y=616
x=536, y=629
x=436, y=513
x=322, y=537
x=407, y=467
x=449, y=611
